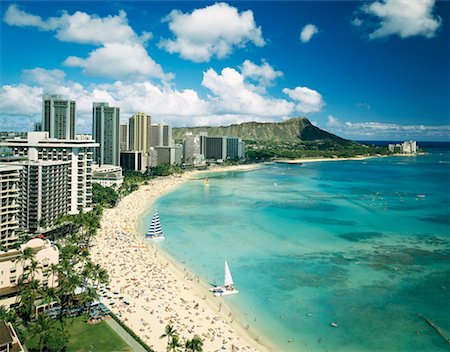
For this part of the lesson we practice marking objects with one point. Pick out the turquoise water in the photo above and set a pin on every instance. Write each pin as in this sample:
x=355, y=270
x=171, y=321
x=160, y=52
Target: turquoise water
x=365, y=244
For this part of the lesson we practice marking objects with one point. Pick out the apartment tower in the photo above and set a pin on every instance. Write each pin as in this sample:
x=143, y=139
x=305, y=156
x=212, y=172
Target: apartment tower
x=58, y=117
x=105, y=131
x=140, y=127
x=9, y=204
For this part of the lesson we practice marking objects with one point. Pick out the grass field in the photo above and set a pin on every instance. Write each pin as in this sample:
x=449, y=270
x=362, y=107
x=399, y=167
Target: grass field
x=90, y=338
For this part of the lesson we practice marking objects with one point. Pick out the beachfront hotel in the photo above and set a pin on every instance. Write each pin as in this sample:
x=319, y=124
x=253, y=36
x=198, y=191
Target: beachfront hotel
x=407, y=147
x=105, y=131
x=79, y=154
x=12, y=269
x=9, y=204
x=107, y=175
x=58, y=117
x=124, y=137
x=43, y=193
x=140, y=130
x=213, y=148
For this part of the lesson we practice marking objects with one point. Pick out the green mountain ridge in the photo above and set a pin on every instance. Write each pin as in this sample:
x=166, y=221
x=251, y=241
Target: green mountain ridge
x=294, y=130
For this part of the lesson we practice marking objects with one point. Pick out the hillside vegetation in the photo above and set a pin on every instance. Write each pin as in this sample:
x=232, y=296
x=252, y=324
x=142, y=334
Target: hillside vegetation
x=293, y=130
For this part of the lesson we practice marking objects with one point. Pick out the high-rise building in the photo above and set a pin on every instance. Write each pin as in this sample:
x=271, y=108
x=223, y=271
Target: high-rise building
x=105, y=131
x=191, y=148
x=140, y=124
x=9, y=203
x=43, y=193
x=235, y=148
x=161, y=136
x=124, y=137
x=215, y=148
x=78, y=152
x=134, y=160
x=58, y=117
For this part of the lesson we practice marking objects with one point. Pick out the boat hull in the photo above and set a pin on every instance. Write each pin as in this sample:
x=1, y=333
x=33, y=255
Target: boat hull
x=155, y=238
x=221, y=291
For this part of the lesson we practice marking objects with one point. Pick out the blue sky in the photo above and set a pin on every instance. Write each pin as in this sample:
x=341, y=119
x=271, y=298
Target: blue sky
x=363, y=70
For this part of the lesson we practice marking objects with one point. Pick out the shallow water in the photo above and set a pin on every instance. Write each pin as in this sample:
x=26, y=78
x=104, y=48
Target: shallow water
x=365, y=244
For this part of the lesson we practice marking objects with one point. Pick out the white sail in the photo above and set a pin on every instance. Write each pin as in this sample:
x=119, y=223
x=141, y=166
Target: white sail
x=228, y=279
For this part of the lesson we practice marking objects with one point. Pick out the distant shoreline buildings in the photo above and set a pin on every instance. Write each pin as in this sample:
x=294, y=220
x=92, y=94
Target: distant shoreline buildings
x=407, y=147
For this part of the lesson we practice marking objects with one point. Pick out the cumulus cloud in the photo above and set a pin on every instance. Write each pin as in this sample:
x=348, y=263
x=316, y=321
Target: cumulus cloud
x=118, y=60
x=385, y=130
x=120, y=53
x=213, y=31
x=308, y=32
x=264, y=74
x=14, y=16
x=232, y=100
x=307, y=100
x=233, y=95
x=404, y=18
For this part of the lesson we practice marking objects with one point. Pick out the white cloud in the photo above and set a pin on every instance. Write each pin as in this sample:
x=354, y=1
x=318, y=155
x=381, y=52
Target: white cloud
x=308, y=100
x=90, y=29
x=231, y=99
x=232, y=95
x=308, y=32
x=20, y=99
x=213, y=31
x=405, y=18
x=17, y=17
x=121, y=52
x=384, y=130
x=264, y=74
x=118, y=60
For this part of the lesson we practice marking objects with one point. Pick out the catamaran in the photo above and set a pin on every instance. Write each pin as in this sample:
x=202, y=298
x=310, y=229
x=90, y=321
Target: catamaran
x=155, y=231
x=227, y=288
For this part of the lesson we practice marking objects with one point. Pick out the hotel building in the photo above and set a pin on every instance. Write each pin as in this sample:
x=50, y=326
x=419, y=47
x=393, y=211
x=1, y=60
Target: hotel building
x=124, y=137
x=58, y=117
x=139, y=135
x=43, y=193
x=107, y=175
x=12, y=269
x=9, y=203
x=105, y=131
x=79, y=154
x=161, y=136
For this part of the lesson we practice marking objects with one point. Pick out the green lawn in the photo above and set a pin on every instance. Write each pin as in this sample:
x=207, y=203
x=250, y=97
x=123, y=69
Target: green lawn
x=99, y=337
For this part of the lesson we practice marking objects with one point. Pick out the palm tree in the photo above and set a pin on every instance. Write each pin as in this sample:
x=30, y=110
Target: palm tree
x=41, y=328
x=8, y=315
x=90, y=295
x=33, y=268
x=174, y=344
x=27, y=255
x=49, y=295
x=194, y=345
x=53, y=270
x=169, y=332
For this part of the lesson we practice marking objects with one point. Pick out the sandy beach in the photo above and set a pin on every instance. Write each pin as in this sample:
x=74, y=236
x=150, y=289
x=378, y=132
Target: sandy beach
x=159, y=290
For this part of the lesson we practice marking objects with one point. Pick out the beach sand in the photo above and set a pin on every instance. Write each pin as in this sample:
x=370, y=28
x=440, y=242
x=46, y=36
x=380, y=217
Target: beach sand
x=160, y=291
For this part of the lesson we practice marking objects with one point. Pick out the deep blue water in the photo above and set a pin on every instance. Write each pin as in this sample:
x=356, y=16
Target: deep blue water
x=365, y=244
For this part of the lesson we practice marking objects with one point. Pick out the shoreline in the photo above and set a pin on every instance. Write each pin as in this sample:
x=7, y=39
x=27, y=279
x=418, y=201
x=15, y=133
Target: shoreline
x=314, y=160
x=358, y=157
x=161, y=290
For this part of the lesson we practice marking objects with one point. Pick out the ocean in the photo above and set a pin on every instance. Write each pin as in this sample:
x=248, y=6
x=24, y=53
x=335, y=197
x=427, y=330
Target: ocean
x=362, y=244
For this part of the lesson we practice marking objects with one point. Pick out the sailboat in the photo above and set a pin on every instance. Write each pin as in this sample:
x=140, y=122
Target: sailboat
x=155, y=231
x=227, y=288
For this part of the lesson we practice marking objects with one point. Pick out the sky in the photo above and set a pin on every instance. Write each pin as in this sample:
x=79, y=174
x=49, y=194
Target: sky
x=373, y=70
